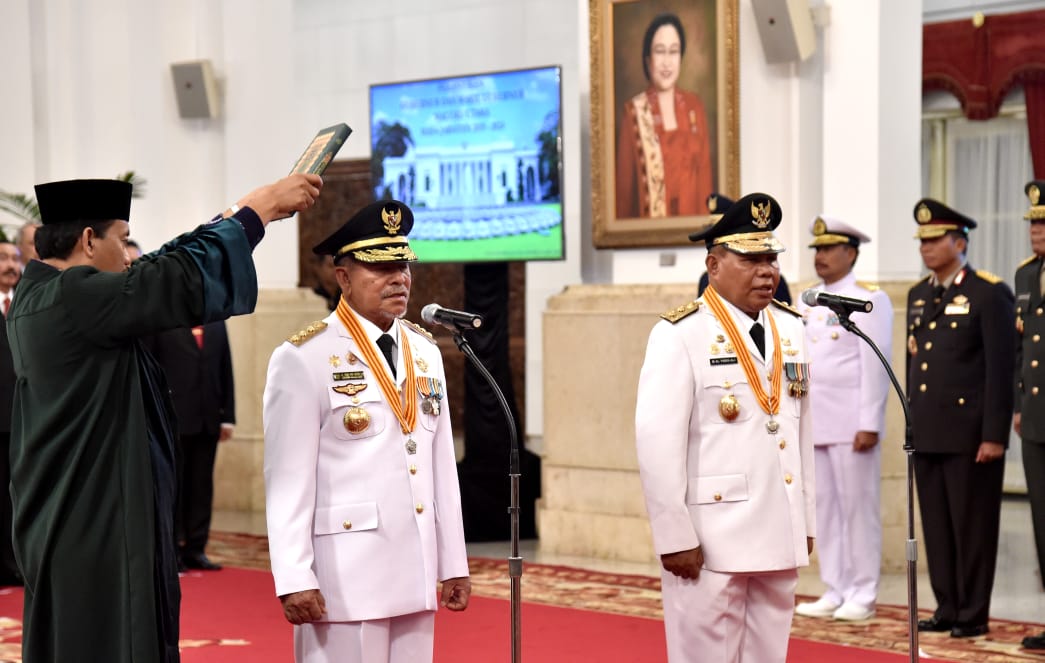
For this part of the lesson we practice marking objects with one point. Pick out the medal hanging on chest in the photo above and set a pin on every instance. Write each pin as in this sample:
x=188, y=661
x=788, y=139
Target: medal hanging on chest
x=770, y=402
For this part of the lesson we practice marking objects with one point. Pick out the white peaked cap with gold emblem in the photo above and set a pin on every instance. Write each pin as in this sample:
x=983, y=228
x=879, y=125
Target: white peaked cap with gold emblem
x=829, y=230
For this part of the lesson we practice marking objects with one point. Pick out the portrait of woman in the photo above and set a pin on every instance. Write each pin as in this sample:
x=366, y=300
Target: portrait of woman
x=663, y=157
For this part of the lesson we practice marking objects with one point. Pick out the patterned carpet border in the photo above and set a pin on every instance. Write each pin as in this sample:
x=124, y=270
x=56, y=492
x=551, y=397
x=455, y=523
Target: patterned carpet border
x=639, y=596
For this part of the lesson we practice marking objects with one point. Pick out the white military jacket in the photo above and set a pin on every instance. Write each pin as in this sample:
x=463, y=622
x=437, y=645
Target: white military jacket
x=742, y=493
x=850, y=386
x=356, y=514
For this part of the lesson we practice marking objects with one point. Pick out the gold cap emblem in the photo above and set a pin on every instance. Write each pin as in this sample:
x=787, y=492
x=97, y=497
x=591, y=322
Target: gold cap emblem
x=923, y=214
x=1034, y=194
x=819, y=226
x=760, y=214
x=391, y=216
x=712, y=203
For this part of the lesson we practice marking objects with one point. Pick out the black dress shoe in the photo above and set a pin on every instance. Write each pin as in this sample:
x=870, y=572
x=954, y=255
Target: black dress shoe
x=969, y=631
x=1034, y=642
x=934, y=624
x=200, y=562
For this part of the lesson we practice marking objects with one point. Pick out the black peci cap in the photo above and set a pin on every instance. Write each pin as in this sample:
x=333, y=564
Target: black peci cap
x=84, y=200
x=376, y=233
x=1033, y=191
x=936, y=219
x=746, y=226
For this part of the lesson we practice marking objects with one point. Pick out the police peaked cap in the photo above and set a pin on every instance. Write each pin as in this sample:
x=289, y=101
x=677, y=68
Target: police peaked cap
x=936, y=219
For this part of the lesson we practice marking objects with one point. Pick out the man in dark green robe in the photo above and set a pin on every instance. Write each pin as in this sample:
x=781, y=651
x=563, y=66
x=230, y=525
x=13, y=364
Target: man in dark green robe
x=92, y=453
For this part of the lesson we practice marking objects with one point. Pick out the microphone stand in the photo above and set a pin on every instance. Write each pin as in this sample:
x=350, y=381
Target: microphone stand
x=515, y=561
x=908, y=447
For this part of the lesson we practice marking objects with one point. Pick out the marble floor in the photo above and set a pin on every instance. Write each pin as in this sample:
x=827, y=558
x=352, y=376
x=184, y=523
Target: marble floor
x=1017, y=594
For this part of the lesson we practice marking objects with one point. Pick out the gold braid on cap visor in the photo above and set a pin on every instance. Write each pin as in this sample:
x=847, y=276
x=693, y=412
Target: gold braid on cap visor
x=398, y=251
x=936, y=230
x=830, y=238
x=762, y=242
x=1035, y=213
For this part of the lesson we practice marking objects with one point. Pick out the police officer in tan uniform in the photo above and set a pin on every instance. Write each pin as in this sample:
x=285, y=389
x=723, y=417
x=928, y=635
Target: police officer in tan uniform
x=960, y=356
x=725, y=450
x=361, y=492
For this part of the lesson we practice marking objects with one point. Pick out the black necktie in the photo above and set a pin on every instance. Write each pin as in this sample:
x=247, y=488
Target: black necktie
x=759, y=334
x=387, y=345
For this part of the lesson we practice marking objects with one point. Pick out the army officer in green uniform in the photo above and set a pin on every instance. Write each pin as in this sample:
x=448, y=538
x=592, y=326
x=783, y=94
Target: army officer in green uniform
x=92, y=425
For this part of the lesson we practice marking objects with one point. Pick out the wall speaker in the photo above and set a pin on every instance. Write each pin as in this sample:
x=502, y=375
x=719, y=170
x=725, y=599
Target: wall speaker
x=786, y=29
x=195, y=89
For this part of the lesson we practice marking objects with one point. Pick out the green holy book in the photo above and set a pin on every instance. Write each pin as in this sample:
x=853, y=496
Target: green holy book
x=320, y=152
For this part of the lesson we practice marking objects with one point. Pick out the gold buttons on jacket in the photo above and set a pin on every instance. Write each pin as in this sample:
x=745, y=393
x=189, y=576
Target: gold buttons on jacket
x=922, y=388
x=783, y=443
x=1036, y=338
x=954, y=325
x=928, y=345
x=932, y=325
x=925, y=365
x=413, y=469
x=420, y=508
x=787, y=478
x=834, y=336
x=1039, y=311
x=1034, y=391
x=347, y=524
x=961, y=401
x=718, y=497
x=1033, y=363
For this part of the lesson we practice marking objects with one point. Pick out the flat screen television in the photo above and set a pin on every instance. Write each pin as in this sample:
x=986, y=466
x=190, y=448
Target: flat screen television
x=478, y=159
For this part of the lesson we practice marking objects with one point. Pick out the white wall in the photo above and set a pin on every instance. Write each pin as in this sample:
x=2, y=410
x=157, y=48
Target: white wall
x=92, y=97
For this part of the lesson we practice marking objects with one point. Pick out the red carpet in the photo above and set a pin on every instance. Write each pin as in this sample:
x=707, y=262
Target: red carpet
x=231, y=616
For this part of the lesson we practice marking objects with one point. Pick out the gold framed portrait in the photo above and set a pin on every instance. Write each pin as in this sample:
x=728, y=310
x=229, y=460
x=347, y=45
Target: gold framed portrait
x=664, y=117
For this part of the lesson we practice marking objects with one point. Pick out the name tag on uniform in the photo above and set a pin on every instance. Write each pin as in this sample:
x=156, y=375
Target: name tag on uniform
x=348, y=375
x=719, y=361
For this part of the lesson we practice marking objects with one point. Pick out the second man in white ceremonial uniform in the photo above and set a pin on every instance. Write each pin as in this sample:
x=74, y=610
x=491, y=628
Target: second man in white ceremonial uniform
x=848, y=393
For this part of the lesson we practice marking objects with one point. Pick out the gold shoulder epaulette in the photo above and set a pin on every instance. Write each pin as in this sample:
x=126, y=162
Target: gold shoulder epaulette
x=308, y=332
x=1027, y=261
x=787, y=307
x=866, y=285
x=676, y=314
x=419, y=329
x=988, y=277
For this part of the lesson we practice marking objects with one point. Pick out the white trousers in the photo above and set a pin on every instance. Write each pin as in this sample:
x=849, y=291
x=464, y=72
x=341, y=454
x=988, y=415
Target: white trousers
x=848, y=522
x=728, y=617
x=403, y=639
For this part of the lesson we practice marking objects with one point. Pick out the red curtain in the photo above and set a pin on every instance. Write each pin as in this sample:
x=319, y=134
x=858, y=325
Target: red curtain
x=979, y=64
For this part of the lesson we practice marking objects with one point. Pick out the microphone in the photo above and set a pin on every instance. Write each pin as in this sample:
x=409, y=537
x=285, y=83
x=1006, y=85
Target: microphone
x=434, y=314
x=837, y=303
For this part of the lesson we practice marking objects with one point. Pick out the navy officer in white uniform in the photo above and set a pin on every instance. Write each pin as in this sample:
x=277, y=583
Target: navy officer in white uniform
x=725, y=450
x=848, y=398
x=361, y=491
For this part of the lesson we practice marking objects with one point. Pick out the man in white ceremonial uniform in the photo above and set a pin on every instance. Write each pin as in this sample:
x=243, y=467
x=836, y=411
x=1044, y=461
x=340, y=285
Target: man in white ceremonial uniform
x=848, y=399
x=725, y=450
x=362, y=497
